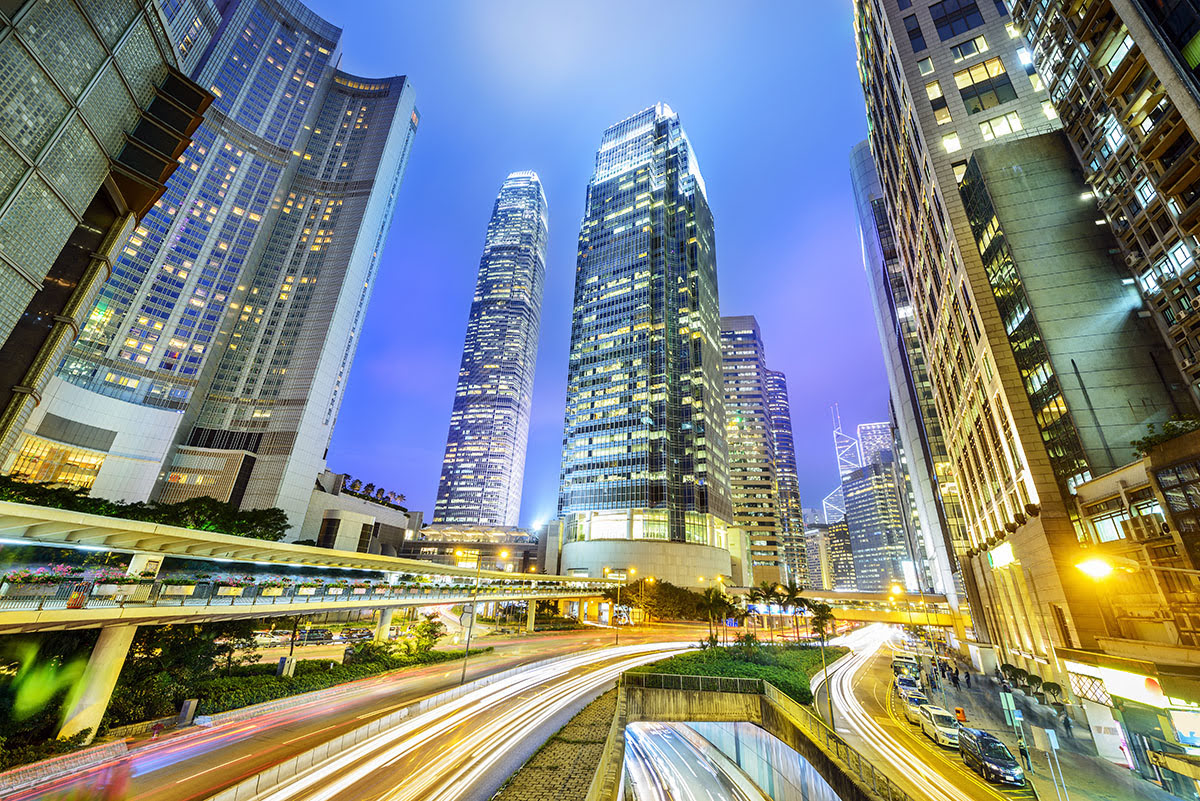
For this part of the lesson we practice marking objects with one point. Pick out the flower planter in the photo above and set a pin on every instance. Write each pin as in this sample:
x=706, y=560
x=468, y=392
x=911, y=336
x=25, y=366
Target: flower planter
x=382, y=590
x=178, y=589
x=28, y=590
x=334, y=590
x=358, y=591
x=235, y=591
x=107, y=589
x=271, y=592
x=306, y=591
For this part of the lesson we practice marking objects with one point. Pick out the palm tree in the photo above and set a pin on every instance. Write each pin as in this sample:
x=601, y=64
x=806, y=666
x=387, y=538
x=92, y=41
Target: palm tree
x=767, y=592
x=822, y=618
x=712, y=603
x=791, y=595
x=355, y=485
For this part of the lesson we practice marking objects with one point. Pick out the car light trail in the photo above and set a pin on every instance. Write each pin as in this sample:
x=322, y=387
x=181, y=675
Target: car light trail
x=498, y=716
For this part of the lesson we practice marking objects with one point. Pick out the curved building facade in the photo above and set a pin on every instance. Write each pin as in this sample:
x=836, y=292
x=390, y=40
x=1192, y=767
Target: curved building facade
x=644, y=451
x=213, y=361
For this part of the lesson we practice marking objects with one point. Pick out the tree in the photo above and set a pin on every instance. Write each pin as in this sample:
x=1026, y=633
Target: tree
x=791, y=595
x=822, y=621
x=369, y=489
x=356, y=486
x=712, y=605
x=427, y=633
x=767, y=592
x=380, y=494
x=400, y=498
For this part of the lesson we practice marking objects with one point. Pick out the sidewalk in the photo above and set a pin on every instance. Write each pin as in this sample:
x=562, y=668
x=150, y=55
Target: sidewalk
x=1088, y=776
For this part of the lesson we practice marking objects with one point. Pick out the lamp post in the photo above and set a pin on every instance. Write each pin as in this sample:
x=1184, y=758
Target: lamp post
x=624, y=579
x=1100, y=567
x=642, y=600
x=474, y=595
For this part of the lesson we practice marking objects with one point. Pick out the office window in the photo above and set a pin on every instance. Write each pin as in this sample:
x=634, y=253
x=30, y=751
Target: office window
x=960, y=169
x=1000, y=126
x=951, y=142
x=933, y=90
x=1048, y=110
x=955, y=17
x=905, y=4
x=1001, y=9
x=969, y=48
x=984, y=86
x=915, y=36
x=925, y=65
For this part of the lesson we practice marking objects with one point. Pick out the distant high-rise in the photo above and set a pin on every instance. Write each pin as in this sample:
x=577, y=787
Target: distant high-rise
x=752, y=455
x=790, y=512
x=873, y=439
x=875, y=517
x=842, y=569
x=484, y=463
x=263, y=251
x=645, y=482
x=96, y=111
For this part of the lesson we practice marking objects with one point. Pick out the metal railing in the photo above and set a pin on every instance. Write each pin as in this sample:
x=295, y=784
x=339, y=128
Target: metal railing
x=828, y=741
x=673, y=681
x=88, y=595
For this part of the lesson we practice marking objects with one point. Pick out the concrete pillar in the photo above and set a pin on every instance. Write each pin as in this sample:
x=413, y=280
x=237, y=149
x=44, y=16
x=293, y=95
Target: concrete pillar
x=530, y=616
x=383, y=629
x=95, y=687
x=141, y=563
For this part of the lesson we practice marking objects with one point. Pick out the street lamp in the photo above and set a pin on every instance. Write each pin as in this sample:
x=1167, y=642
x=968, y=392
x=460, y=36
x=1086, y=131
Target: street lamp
x=474, y=595
x=1101, y=567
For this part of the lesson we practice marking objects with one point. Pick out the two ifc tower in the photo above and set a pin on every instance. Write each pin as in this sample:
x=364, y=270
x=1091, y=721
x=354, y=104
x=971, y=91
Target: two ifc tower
x=645, y=480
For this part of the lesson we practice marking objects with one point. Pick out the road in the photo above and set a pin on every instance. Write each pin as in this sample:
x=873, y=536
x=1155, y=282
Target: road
x=671, y=762
x=197, y=764
x=869, y=721
x=453, y=752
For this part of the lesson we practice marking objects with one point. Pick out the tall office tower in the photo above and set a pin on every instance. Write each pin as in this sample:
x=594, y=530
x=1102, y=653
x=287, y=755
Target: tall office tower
x=937, y=524
x=263, y=251
x=818, y=569
x=833, y=506
x=645, y=483
x=1017, y=342
x=845, y=447
x=875, y=517
x=873, y=438
x=787, y=479
x=753, y=480
x=1122, y=76
x=813, y=514
x=484, y=463
x=97, y=110
x=842, y=570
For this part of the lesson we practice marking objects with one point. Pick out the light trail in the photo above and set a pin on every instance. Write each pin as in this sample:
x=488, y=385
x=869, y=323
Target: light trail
x=929, y=782
x=497, y=718
x=662, y=759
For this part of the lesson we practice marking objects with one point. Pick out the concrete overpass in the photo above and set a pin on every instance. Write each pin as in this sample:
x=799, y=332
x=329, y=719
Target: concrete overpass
x=929, y=609
x=387, y=583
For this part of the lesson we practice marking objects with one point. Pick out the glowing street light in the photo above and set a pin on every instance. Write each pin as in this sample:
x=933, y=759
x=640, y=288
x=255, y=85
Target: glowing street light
x=1101, y=567
x=474, y=595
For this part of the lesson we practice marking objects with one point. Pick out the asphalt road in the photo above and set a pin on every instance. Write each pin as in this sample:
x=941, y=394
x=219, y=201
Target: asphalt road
x=196, y=764
x=867, y=717
x=671, y=762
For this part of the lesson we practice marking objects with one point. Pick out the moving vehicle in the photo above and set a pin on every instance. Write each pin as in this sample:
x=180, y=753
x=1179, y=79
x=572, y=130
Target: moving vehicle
x=905, y=664
x=990, y=758
x=906, y=684
x=912, y=704
x=313, y=636
x=939, y=725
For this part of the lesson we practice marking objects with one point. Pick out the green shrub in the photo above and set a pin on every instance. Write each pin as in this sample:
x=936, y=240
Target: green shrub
x=788, y=668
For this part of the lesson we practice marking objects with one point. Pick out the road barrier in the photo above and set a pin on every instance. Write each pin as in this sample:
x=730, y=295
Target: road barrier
x=275, y=775
x=47, y=770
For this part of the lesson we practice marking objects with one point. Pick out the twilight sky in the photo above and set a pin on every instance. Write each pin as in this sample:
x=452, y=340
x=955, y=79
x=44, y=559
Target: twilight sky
x=770, y=99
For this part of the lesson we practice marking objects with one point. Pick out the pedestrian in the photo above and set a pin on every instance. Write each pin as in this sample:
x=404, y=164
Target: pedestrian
x=968, y=675
x=954, y=678
x=1066, y=722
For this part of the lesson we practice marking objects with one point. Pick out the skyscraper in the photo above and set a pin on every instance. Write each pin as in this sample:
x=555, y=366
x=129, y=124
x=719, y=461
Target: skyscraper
x=1018, y=311
x=97, y=110
x=645, y=483
x=873, y=438
x=748, y=432
x=937, y=521
x=790, y=512
x=489, y=425
x=263, y=251
x=875, y=518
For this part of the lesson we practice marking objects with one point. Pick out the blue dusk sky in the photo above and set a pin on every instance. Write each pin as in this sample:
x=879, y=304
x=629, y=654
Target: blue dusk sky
x=768, y=93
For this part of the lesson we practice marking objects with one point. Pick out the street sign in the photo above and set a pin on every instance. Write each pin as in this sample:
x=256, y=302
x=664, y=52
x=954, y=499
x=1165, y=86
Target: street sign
x=1045, y=739
x=1018, y=714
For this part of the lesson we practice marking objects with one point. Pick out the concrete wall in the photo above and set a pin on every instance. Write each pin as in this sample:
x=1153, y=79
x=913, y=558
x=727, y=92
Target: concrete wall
x=684, y=564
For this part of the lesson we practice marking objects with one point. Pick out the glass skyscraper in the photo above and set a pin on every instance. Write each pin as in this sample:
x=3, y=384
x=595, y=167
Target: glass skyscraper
x=787, y=479
x=484, y=464
x=262, y=251
x=644, y=451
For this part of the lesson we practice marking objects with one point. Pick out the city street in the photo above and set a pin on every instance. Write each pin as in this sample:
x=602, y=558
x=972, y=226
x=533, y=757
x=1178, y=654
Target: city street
x=199, y=762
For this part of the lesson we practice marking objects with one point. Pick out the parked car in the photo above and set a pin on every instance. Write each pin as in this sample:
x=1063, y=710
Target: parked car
x=905, y=664
x=905, y=684
x=939, y=725
x=912, y=704
x=990, y=758
x=313, y=636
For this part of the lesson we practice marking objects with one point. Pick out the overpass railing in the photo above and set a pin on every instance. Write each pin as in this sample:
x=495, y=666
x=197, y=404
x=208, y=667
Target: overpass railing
x=93, y=595
x=674, y=681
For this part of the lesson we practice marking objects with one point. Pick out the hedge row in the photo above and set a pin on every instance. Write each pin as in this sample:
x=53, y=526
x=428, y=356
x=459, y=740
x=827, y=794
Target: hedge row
x=233, y=692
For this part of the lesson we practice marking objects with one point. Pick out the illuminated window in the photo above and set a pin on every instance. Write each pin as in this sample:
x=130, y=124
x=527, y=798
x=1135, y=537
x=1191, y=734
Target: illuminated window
x=969, y=48
x=43, y=460
x=984, y=85
x=1000, y=126
x=925, y=65
x=951, y=142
